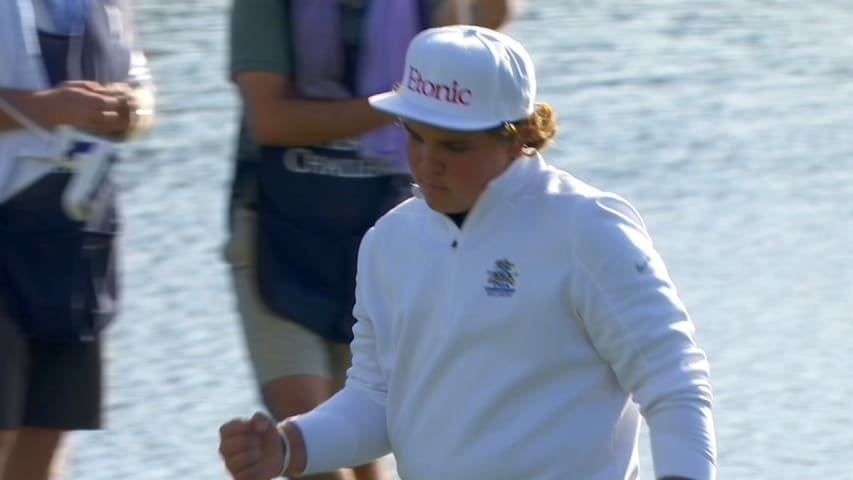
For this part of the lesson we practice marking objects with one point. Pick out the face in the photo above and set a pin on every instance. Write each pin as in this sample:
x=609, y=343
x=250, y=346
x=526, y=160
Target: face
x=453, y=168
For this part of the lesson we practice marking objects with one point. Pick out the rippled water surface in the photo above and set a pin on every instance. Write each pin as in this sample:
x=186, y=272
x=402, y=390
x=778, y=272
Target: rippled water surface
x=727, y=123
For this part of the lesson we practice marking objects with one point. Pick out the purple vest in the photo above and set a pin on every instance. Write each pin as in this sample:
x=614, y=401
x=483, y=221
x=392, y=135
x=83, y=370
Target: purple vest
x=324, y=67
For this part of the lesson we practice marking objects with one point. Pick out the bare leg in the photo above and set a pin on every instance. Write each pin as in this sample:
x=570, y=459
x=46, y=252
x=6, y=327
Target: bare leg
x=7, y=443
x=378, y=470
x=284, y=396
x=32, y=454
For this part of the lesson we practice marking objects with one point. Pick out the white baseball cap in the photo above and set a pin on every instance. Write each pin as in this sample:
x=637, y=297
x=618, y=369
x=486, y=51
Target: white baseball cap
x=463, y=77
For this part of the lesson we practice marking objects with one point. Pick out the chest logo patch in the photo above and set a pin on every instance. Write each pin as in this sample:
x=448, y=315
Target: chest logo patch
x=500, y=282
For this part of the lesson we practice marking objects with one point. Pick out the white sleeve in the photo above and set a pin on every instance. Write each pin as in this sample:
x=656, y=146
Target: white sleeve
x=347, y=430
x=370, y=307
x=638, y=323
x=350, y=428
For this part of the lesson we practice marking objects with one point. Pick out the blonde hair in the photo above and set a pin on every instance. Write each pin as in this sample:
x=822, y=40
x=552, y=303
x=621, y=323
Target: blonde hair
x=536, y=131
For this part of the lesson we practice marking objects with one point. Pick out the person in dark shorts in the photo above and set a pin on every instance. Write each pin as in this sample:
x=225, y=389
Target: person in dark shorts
x=46, y=386
x=72, y=82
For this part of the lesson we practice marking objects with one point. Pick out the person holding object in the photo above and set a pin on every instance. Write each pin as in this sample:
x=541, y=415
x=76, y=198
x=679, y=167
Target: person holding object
x=513, y=322
x=71, y=75
x=315, y=168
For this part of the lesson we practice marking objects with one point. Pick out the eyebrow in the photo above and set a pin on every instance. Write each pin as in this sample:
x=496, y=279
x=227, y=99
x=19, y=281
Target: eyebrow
x=409, y=129
x=447, y=143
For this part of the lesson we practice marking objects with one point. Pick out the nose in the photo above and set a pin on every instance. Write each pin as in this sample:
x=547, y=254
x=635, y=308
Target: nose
x=430, y=159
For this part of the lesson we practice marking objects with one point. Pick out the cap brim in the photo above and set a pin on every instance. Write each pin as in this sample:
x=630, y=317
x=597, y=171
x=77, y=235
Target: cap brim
x=395, y=103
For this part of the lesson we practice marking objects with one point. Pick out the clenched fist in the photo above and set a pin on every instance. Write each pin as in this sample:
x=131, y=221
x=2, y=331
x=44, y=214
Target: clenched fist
x=251, y=449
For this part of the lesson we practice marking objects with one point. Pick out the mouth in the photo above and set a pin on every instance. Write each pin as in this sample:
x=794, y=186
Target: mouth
x=432, y=189
x=431, y=186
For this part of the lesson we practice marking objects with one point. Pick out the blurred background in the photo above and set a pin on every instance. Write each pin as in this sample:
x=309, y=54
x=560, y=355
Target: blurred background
x=726, y=122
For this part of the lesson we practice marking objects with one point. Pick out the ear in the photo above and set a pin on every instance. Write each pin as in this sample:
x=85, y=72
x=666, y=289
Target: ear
x=514, y=148
x=515, y=145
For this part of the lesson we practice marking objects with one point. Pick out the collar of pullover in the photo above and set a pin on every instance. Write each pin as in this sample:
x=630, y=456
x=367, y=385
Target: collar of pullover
x=500, y=192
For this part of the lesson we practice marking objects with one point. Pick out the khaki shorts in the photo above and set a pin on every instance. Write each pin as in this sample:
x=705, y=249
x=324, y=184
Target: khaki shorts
x=278, y=347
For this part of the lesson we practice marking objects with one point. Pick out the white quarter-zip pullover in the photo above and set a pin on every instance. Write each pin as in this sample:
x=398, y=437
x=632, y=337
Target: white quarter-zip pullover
x=524, y=345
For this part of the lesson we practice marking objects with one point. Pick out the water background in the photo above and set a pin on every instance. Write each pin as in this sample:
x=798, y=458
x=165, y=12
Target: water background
x=726, y=122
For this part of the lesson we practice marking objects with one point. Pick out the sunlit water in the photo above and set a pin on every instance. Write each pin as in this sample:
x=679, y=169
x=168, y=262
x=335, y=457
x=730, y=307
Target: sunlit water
x=727, y=123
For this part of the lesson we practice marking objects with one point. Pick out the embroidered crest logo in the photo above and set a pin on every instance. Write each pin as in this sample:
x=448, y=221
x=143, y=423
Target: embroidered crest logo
x=501, y=281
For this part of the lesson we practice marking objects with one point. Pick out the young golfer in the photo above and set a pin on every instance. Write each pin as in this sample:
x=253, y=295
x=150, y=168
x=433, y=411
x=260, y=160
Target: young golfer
x=514, y=322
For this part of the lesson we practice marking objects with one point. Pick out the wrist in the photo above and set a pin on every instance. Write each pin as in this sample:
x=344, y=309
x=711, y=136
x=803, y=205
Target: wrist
x=35, y=105
x=286, y=449
x=295, y=459
x=49, y=109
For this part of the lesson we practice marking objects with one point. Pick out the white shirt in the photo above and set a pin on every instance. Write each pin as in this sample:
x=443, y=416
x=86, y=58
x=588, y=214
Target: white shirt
x=523, y=345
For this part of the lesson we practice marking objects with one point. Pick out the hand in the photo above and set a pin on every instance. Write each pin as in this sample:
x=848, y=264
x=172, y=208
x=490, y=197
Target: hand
x=127, y=106
x=251, y=449
x=89, y=106
x=125, y=114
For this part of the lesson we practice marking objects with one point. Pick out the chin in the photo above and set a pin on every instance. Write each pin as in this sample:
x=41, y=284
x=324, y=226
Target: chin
x=446, y=208
x=438, y=206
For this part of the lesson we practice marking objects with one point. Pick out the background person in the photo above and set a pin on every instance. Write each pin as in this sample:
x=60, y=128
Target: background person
x=72, y=63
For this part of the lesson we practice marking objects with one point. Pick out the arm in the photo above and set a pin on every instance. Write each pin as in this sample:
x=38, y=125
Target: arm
x=261, y=69
x=276, y=118
x=350, y=428
x=83, y=105
x=120, y=111
x=346, y=430
x=491, y=13
x=116, y=111
x=486, y=13
x=637, y=322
